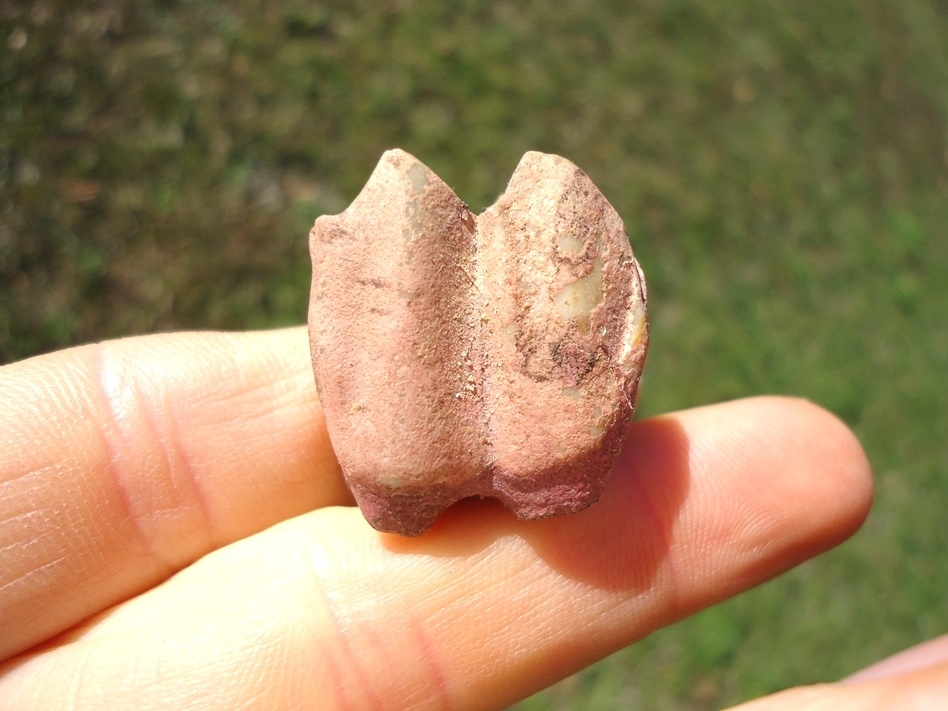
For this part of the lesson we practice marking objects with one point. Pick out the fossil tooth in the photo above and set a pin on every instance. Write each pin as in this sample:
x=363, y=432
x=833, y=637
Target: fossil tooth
x=457, y=355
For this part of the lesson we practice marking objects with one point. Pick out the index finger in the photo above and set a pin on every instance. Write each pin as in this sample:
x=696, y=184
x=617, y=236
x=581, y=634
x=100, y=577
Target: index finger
x=123, y=462
x=322, y=611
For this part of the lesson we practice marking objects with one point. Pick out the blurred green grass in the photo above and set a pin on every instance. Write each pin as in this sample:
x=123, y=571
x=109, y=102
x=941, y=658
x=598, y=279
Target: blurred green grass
x=782, y=169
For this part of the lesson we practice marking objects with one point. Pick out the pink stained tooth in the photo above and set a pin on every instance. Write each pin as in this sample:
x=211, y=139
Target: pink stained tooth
x=457, y=355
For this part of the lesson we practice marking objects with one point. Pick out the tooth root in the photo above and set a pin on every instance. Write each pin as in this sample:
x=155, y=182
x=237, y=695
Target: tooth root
x=496, y=355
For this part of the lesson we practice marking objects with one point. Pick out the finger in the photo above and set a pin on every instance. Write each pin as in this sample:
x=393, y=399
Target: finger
x=930, y=653
x=323, y=612
x=121, y=463
x=920, y=689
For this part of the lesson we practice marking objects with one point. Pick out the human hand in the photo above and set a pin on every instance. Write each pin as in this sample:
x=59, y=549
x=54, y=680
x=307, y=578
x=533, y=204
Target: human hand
x=913, y=680
x=175, y=533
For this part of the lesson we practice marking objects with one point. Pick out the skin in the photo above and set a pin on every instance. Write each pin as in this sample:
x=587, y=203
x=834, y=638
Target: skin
x=175, y=533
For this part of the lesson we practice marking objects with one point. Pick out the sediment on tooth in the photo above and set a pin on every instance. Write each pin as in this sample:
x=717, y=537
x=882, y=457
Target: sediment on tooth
x=390, y=318
x=555, y=258
x=455, y=355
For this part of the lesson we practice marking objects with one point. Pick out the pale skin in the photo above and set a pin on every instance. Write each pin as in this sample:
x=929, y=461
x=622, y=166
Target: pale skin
x=175, y=533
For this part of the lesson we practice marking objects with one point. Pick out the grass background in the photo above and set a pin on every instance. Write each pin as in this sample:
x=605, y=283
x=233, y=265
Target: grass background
x=782, y=168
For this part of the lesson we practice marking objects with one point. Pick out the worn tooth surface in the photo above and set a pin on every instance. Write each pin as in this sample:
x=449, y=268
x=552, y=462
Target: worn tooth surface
x=455, y=355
